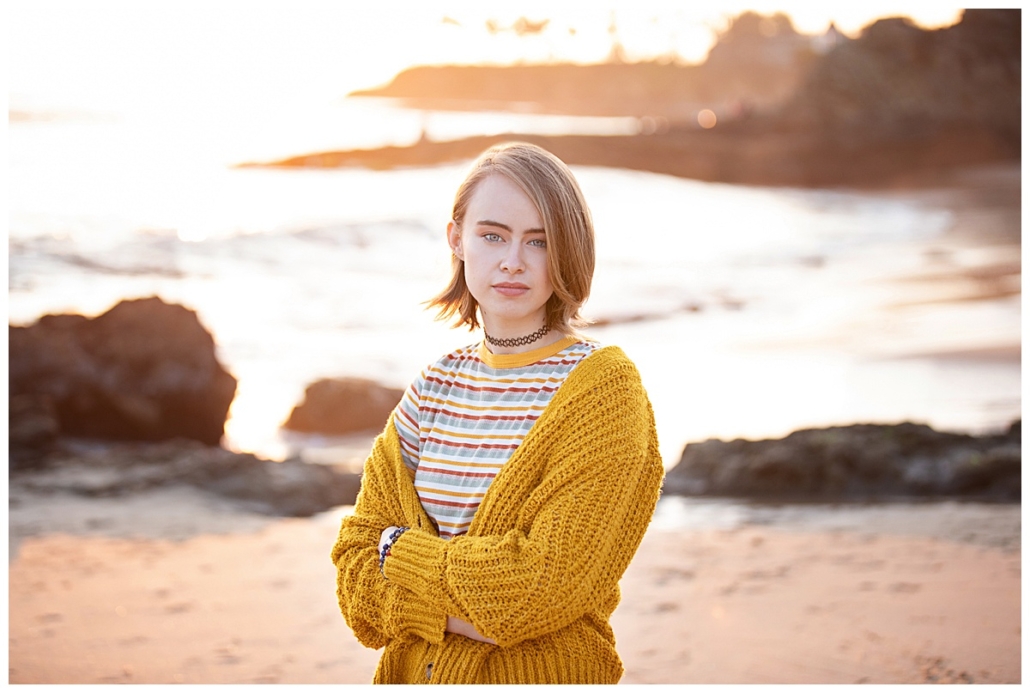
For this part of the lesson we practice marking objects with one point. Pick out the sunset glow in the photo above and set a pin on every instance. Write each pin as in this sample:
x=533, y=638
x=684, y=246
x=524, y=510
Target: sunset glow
x=108, y=55
x=794, y=237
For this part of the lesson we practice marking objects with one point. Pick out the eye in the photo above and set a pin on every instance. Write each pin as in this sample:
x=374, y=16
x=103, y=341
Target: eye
x=538, y=242
x=491, y=237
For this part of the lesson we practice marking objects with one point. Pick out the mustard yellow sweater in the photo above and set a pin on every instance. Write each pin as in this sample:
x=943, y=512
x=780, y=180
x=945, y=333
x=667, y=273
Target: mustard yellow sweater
x=537, y=572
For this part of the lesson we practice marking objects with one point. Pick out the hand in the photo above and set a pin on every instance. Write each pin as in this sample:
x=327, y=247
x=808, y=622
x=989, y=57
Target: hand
x=456, y=625
x=384, y=537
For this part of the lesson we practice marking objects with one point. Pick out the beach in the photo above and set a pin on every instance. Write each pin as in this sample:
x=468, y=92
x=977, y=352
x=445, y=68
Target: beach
x=849, y=258
x=173, y=586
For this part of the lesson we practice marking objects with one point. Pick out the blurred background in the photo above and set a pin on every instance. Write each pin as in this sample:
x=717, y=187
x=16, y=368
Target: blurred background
x=807, y=215
x=755, y=300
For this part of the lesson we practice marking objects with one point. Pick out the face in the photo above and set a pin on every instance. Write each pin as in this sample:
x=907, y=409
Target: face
x=502, y=241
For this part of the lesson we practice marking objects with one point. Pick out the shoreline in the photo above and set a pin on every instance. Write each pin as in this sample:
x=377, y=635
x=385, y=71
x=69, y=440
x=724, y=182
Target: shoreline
x=733, y=154
x=208, y=594
x=181, y=513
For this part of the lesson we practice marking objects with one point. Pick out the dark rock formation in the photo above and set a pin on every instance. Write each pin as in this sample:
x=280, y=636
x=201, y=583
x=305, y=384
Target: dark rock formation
x=861, y=462
x=144, y=370
x=758, y=60
x=725, y=155
x=897, y=81
x=335, y=406
x=32, y=423
x=105, y=469
x=894, y=107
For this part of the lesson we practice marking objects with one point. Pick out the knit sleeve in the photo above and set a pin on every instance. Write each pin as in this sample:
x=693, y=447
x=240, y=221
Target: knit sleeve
x=378, y=610
x=585, y=519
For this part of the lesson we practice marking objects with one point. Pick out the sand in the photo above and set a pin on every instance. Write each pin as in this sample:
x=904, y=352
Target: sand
x=175, y=586
x=788, y=604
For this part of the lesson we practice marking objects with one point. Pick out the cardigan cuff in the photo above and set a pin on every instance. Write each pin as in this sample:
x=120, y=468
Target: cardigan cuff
x=422, y=619
x=416, y=561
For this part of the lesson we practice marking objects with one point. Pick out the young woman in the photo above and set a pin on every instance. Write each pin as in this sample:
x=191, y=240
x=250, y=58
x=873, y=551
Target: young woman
x=513, y=483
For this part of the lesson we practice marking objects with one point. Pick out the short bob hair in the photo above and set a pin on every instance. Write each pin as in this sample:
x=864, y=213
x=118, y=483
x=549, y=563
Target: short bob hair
x=569, y=230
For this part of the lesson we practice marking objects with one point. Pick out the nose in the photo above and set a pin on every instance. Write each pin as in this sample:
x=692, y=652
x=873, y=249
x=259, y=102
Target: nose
x=512, y=260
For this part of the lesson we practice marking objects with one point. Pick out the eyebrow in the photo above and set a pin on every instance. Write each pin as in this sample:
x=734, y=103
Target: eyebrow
x=488, y=222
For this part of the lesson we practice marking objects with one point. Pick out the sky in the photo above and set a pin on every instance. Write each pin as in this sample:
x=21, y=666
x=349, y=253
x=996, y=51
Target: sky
x=158, y=54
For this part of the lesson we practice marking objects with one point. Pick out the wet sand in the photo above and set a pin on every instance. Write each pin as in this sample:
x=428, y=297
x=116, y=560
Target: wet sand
x=173, y=586
x=874, y=602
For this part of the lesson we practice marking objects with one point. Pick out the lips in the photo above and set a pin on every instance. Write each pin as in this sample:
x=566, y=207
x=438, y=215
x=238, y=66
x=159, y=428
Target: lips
x=511, y=288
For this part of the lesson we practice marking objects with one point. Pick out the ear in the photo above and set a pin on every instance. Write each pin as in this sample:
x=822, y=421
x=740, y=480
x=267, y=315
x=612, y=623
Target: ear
x=454, y=239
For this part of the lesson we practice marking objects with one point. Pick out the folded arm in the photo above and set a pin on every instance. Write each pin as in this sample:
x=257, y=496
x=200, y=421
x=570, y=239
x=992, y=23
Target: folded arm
x=584, y=521
x=378, y=610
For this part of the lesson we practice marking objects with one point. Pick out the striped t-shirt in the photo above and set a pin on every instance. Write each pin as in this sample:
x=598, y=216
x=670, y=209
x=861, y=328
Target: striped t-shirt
x=466, y=414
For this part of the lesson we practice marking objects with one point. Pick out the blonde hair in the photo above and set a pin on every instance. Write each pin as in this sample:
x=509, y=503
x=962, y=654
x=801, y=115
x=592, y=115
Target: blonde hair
x=569, y=230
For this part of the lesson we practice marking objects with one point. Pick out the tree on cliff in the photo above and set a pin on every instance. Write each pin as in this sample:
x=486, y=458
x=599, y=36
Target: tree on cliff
x=902, y=81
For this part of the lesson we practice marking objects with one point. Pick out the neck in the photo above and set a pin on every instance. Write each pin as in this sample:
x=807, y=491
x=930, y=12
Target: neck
x=512, y=342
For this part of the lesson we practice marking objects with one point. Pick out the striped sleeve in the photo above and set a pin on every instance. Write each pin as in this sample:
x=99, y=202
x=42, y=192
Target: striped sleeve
x=406, y=421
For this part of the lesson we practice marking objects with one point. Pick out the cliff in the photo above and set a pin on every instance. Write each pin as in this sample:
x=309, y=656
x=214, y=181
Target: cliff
x=896, y=105
x=756, y=63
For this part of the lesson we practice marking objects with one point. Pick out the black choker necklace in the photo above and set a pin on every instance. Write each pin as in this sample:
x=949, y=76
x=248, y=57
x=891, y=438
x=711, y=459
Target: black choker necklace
x=518, y=341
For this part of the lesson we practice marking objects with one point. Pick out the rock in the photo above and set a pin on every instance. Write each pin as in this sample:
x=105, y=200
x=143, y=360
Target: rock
x=111, y=469
x=293, y=488
x=757, y=60
x=32, y=422
x=997, y=473
x=144, y=370
x=335, y=406
x=897, y=81
x=865, y=461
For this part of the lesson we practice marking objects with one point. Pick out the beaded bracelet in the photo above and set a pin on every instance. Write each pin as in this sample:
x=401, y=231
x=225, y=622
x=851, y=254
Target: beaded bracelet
x=385, y=551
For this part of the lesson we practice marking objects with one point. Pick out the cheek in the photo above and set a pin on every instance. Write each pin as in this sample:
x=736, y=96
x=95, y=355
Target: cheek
x=473, y=268
x=543, y=269
x=481, y=259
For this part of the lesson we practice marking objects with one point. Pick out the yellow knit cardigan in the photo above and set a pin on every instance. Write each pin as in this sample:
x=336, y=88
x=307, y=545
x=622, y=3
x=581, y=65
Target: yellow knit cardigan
x=537, y=572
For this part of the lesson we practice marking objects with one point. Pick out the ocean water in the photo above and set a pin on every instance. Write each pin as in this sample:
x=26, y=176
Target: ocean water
x=750, y=311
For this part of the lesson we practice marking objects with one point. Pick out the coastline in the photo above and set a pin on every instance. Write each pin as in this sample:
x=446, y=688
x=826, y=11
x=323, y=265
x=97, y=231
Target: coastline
x=735, y=153
x=173, y=587
x=796, y=237
x=779, y=107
